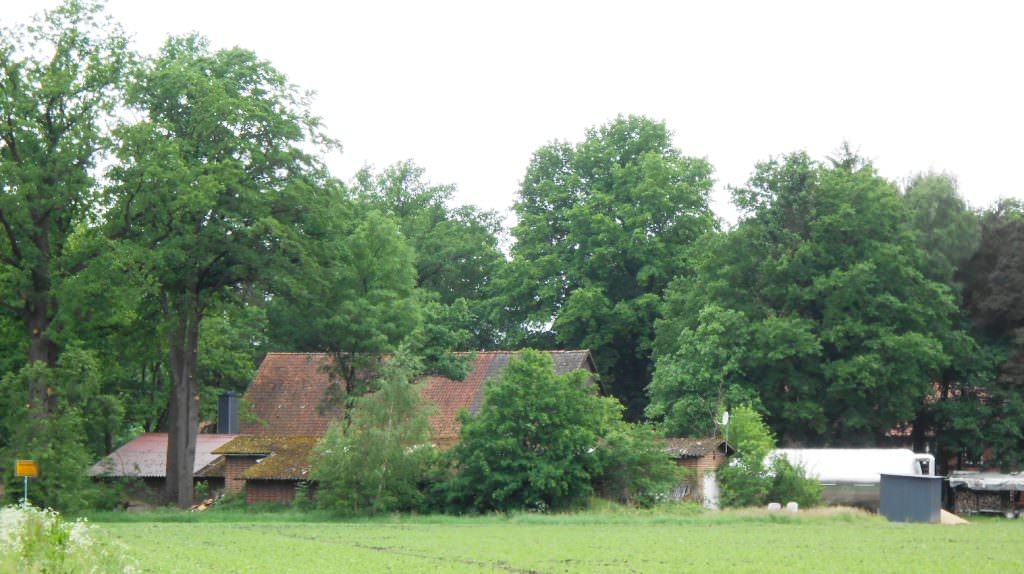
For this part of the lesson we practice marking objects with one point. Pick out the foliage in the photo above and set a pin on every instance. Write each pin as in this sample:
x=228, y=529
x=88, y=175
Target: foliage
x=603, y=227
x=984, y=406
x=747, y=481
x=948, y=232
x=456, y=248
x=532, y=444
x=58, y=444
x=210, y=189
x=376, y=462
x=744, y=480
x=791, y=484
x=702, y=374
x=820, y=304
x=62, y=78
x=633, y=467
x=42, y=541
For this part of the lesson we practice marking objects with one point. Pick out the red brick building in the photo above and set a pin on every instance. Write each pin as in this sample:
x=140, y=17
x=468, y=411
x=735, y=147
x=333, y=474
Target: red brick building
x=288, y=413
x=703, y=456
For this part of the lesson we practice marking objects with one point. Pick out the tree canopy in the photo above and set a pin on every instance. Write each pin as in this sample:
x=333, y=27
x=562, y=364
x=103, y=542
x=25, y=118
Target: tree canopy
x=817, y=307
x=604, y=226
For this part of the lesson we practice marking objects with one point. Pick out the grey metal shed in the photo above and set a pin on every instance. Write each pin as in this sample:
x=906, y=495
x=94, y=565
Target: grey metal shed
x=911, y=498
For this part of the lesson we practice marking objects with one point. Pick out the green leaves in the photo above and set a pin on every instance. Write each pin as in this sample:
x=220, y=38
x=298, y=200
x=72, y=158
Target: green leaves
x=817, y=307
x=531, y=445
x=603, y=227
x=378, y=462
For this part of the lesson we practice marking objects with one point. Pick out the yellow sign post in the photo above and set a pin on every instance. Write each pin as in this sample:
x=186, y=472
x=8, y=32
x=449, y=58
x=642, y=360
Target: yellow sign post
x=26, y=469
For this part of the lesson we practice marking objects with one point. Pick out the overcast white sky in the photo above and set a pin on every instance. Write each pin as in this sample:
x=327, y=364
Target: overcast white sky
x=469, y=90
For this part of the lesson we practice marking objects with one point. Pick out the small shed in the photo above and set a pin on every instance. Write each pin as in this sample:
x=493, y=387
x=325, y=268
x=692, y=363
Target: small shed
x=268, y=468
x=987, y=492
x=911, y=498
x=703, y=456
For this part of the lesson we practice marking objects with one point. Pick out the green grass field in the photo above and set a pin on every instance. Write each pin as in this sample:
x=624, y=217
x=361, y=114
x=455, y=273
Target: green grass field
x=576, y=543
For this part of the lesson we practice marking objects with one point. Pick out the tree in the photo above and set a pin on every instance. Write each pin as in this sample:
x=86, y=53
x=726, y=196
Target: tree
x=59, y=444
x=820, y=304
x=984, y=408
x=211, y=187
x=378, y=462
x=532, y=444
x=61, y=79
x=948, y=232
x=749, y=479
x=357, y=300
x=603, y=227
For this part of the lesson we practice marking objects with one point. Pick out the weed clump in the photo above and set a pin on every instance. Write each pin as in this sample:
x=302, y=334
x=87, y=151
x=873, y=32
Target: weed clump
x=36, y=541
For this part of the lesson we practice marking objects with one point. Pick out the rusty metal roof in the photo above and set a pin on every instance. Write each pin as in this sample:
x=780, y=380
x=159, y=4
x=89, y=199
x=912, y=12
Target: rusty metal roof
x=695, y=447
x=146, y=456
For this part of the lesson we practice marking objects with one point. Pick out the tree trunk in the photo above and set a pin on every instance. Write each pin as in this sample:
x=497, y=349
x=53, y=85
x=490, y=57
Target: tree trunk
x=37, y=319
x=183, y=415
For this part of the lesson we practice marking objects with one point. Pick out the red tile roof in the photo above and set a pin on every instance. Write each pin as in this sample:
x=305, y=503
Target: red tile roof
x=288, y=390
x=146, y=456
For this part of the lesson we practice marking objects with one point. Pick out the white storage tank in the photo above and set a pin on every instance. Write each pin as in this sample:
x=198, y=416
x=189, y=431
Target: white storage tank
x=852, y=476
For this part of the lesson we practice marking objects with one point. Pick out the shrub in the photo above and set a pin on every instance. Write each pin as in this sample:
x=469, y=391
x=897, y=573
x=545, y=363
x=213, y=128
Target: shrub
x=791, y=483
x=41, y=541
x=377, y=462
x=633, y=467
x=532, y=444
x=747, y=481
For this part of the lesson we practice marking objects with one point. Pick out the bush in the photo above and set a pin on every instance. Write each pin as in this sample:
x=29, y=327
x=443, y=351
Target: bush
x=41, y=541
x=378, y=461
x=791, y=484
x=746, y=481
x=532, y=445
x=633, y=467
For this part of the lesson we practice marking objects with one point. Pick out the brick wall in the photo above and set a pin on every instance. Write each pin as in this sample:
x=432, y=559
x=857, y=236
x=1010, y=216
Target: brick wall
x=272, y=491
x=707, y=463
x=234, y=466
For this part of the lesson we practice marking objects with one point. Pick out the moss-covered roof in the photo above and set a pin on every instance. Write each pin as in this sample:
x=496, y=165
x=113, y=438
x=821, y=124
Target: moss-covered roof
x=213, y=470
x=256, y=445
x=288, y=458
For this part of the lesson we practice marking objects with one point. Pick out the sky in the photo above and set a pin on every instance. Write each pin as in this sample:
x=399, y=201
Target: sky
x=469, y=90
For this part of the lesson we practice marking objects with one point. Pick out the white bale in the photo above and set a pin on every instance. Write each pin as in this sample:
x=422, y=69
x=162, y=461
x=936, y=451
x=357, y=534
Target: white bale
x=793, y=507
x=774, y=506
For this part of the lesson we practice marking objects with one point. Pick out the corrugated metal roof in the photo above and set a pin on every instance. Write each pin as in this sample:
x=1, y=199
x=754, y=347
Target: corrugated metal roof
x=693, y=447
x=146, y=456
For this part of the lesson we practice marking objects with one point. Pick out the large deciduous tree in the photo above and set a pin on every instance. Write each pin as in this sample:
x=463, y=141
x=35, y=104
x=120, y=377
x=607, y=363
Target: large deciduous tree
x=603, y=228
x=818, y=303
x=985, y=409
x=59, y=79
x=456, y=248
x=211, y=188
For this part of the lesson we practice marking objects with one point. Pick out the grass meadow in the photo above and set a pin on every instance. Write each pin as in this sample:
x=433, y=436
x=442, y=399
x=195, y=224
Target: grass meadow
x=816, y=541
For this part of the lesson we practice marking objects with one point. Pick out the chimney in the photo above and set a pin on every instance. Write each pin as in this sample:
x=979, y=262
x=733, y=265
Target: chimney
x=227, y=413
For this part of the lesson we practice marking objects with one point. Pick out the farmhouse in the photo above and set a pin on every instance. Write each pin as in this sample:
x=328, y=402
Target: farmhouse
x=286, y=414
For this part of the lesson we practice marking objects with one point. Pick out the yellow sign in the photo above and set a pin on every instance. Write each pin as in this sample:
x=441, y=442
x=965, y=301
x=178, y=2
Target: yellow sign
x=26, y=468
